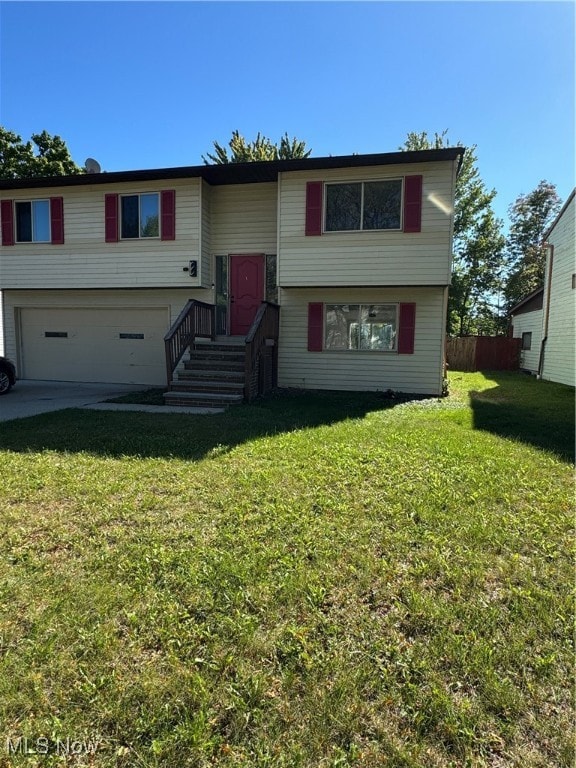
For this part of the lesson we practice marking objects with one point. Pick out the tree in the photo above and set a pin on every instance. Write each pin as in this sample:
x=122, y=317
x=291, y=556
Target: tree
x=44, y=155
x=478, y=247
x=530, y=217
x=261, y=148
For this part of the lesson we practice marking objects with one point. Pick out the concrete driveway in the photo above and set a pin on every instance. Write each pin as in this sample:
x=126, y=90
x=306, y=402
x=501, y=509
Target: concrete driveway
x=29, y=398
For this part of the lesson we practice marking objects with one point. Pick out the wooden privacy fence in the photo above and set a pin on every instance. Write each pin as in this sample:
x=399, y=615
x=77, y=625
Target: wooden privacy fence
x=483, y=353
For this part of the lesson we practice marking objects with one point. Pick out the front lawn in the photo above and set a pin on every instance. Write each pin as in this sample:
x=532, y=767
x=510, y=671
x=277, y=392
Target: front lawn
x=312, y=580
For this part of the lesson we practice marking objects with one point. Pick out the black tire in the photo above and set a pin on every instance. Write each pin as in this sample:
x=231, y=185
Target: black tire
x=5, y=383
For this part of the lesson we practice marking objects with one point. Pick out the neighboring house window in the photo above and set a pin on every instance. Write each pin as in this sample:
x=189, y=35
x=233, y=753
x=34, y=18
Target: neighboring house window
x=360, y=326
x=527, y=341
x=365, y=205
x=139, y=215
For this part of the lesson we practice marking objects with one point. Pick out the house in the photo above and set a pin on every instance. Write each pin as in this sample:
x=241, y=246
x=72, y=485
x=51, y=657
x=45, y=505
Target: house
x=97, y=269
x=526, y=317
x=557, y=361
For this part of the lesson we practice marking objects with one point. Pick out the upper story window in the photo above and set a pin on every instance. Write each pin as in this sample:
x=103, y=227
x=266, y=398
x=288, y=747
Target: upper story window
x=139, y=215
x=365, y=205
x=150, y=214
x=370, y=206
x=33, y=221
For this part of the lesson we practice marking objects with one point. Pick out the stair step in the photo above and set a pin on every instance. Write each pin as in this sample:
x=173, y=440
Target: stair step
x=215, y=347
x=199, y=363
x=212, y=373
x=217, y=354
x=209, y=385
x=207, y=399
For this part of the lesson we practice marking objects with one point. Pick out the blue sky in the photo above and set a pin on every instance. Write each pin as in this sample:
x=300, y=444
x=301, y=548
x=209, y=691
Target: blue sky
x=149, y=85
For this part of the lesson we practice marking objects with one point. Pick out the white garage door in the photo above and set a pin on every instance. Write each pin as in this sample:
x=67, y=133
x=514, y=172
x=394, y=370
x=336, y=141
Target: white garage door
x=116, y=345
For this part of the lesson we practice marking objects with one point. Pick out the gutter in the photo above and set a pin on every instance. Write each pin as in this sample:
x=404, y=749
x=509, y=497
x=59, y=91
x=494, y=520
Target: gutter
x=547, y=314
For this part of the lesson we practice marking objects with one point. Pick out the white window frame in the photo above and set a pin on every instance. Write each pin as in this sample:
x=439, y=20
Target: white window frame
x=139, y=195
x=361, y=304
x=33, y=240
x=362, y=182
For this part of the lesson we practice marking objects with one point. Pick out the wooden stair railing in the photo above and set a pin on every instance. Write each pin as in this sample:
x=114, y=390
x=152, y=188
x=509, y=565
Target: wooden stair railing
x=261, y=374
x=197, y=319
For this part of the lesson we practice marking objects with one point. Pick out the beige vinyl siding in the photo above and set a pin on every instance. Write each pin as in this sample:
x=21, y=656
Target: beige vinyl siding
x=421, y=372
x=371, y=257
x=559, y=360
x=87, y=261
x=171, y=301
x=529, y=322
x=206, y=277
x=243, y=218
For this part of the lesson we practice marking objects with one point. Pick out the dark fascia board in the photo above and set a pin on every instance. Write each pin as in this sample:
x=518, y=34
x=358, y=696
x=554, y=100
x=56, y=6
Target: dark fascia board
x=239, y=173
x=525, y=300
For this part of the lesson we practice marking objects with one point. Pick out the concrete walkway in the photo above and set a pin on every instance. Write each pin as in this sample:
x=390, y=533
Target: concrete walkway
x=30, y=398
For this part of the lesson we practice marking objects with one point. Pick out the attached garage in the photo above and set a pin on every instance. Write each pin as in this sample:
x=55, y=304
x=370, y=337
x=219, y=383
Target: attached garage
x=103, y=344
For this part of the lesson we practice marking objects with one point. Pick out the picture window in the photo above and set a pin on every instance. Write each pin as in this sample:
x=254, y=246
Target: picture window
x=371, y=327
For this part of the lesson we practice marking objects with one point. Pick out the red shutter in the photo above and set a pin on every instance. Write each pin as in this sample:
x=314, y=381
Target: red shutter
x=7, y=217
x=406, y=328
x=168, y=214
x=315, y=327
x=314, y=208
x=57, y=220
x=111, y=218
x=412, y=203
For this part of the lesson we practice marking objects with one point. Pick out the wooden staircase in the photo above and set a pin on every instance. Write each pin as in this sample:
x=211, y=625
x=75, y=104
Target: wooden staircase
x=220, y=371
x=213, y=376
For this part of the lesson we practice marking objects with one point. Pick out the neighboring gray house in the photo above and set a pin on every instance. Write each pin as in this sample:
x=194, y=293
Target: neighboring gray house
x=557, y=360
x=527, y=325
x=95, y=269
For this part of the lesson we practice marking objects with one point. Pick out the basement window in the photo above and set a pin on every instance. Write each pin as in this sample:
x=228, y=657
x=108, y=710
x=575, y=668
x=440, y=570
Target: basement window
x=131, y=335
x=55, y=334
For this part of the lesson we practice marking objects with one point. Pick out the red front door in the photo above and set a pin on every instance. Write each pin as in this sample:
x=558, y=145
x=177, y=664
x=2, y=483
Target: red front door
x=246, y=291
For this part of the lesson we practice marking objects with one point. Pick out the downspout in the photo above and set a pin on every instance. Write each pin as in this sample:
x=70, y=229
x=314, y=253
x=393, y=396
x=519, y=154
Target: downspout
x=444, y=372
x=547, y=313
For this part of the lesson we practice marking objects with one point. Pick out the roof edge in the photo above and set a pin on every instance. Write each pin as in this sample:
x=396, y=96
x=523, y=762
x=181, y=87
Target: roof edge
x=525, y=300
x=561, y=212
x=239, y=173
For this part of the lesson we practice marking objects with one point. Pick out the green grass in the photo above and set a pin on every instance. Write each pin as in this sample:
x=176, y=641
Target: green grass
x=313, y=580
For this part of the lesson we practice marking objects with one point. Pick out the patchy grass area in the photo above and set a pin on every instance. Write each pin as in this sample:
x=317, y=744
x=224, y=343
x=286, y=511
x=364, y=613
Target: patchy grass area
x=314, y=580
x=153, y=396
